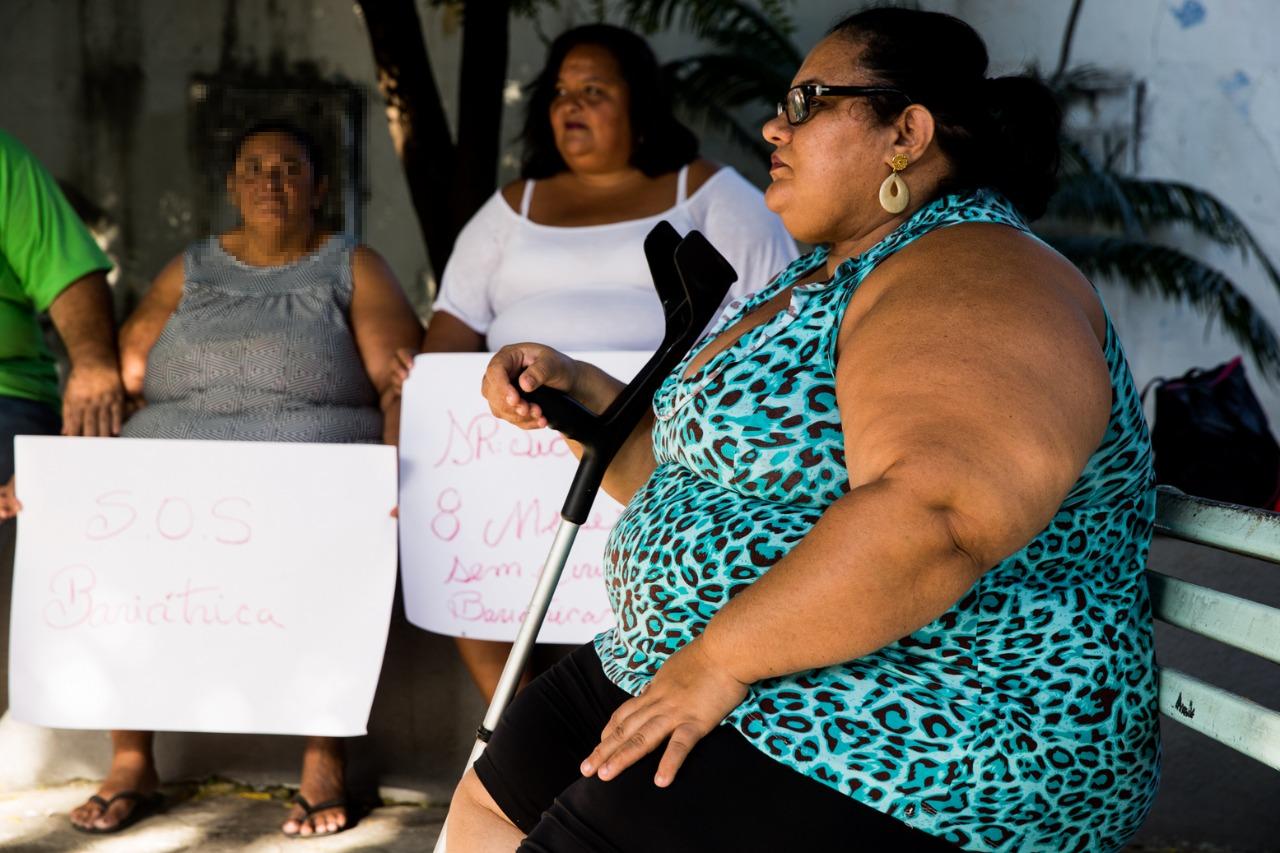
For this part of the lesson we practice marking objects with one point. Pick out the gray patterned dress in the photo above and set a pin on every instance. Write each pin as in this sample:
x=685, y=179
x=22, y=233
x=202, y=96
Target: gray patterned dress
x=260, y=354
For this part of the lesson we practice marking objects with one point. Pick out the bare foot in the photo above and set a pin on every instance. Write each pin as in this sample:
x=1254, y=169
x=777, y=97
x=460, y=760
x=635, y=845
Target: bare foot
x=323, y=764
x=130, y=771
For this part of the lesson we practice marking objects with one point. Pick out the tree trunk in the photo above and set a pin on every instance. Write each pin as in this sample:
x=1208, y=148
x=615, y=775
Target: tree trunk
x=416, y=119
x=484, y=72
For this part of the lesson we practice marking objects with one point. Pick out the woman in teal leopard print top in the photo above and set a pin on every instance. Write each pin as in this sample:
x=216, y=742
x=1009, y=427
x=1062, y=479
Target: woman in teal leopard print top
x=880, y=570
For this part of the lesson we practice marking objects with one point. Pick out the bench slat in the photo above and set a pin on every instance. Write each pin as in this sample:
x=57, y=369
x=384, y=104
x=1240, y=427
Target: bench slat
x=1235, y=621
x=1244, y=530
x=1243, y=725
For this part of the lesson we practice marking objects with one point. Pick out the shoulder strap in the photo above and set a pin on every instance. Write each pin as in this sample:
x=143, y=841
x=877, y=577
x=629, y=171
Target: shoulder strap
x=682, y=184
x=958, y=208
x=526, y=199
x=191, y=258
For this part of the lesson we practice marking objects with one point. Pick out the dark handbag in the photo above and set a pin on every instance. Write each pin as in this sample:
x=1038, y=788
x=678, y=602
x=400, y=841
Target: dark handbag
x=1211, y=437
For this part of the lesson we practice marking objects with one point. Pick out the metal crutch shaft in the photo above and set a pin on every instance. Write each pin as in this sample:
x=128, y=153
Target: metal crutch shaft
x=691, y=279
x=522, y=647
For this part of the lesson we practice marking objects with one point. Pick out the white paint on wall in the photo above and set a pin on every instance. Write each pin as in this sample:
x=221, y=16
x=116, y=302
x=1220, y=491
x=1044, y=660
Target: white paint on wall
x=1212, y=116
x=1211, y=119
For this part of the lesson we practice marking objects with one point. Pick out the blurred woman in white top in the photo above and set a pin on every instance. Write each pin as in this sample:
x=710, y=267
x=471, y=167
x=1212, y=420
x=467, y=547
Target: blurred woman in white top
x=558, y=256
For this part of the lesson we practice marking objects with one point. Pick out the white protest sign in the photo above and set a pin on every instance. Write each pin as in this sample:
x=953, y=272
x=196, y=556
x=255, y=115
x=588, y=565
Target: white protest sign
x=479, y=506
x=213, y=586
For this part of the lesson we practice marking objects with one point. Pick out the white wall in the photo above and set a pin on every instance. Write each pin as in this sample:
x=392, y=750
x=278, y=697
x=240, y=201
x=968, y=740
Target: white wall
x=1212, y=119
x=136, y=165
x=1212, y=115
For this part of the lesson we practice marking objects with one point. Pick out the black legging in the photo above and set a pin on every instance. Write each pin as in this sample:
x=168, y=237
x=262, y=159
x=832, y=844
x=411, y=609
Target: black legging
x=727, y=796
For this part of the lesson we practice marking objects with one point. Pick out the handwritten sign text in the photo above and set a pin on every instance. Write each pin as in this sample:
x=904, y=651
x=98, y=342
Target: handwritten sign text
x=149, y=573
x=480, y=505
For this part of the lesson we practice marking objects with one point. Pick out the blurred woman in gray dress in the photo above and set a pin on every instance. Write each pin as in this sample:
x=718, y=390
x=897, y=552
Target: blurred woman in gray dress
x=273, y=331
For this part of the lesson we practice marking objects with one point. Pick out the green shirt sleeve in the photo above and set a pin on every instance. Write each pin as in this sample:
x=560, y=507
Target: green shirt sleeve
x=41, y=237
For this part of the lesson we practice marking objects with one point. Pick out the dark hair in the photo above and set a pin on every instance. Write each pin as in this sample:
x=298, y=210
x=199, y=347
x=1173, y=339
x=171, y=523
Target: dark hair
x=997, y=132
x=660, y=143
x=305, y=141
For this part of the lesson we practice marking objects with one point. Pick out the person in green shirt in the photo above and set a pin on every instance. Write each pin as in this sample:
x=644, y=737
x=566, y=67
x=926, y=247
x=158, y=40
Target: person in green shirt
x=50, y=263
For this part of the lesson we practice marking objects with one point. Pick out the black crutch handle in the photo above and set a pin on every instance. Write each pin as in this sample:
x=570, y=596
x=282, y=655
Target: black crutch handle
x=564, y=414
x=691, y=279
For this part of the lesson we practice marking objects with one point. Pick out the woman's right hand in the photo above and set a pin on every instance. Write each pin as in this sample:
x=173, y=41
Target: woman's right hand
x=400, y=367
x=9, y=503
x=532, y=366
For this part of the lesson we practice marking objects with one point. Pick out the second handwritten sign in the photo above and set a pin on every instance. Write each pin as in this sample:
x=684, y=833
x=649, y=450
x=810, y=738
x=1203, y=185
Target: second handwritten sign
x=479, y=505
x=201, y=585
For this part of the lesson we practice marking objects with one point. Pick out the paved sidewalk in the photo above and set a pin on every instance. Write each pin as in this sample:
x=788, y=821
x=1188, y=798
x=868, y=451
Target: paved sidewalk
x=226, y=817
x=218, y=817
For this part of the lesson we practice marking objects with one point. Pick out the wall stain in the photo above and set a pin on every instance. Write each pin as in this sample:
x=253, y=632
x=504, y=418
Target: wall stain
x=1238, y=89
x=112, y=88
x=1189, y=13
x=230, y=34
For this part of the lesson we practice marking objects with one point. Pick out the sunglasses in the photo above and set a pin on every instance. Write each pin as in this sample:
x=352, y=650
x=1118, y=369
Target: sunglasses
x=796, y=105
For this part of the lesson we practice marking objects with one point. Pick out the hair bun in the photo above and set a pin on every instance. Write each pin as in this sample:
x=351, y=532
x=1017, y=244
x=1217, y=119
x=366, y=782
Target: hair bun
x=1021, y=145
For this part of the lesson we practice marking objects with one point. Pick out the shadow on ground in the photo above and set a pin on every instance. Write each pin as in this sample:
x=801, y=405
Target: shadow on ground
x=215, y=816
x=218, y=816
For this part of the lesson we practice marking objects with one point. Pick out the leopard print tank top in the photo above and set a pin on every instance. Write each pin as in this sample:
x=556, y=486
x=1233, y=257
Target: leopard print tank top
x=1023, y=718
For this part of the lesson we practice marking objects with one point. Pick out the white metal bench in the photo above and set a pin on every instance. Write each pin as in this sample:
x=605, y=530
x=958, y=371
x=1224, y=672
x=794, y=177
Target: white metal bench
x=1233, y=720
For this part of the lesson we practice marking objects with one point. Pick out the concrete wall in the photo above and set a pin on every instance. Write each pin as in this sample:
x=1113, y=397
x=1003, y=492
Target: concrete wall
x=1211, y=118
x=100, y=92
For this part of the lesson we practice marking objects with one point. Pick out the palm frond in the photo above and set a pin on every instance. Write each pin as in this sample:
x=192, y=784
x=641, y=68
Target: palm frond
x=690, y=82
x=1083, y=83
x=1090, y=193
x=1165, y=203
x=1075, y=158
x=775, y=10
x=1087, y=192
x=749, y=61
x=1174, y=275
x=728, y=79
x=523, y=8
x=722, y=120
x=730, y=25
x=650, y=16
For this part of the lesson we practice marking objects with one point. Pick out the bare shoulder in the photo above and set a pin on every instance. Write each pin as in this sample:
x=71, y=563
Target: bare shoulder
x=988, y=311
x=978, y=330
x=700, y=171
x=512, y=194
x=162, y=298
x=378, y=303
x=169, y=281
x=995, y=270
x=367, y=266
x=367, y=257
x=173, y=267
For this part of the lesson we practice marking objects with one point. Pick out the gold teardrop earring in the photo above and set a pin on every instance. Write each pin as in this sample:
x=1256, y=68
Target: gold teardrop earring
x=894, y=195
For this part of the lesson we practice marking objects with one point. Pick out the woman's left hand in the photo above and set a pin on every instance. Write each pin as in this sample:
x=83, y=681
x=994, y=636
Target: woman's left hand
x=686, y=700
x=9, y=503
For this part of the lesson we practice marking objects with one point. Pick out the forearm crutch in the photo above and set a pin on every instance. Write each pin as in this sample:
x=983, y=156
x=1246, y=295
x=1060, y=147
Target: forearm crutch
x=691, y=279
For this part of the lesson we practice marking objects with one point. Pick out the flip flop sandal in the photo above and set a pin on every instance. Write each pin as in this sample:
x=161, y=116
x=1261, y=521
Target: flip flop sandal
x=309, y=810
x=144, y=805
